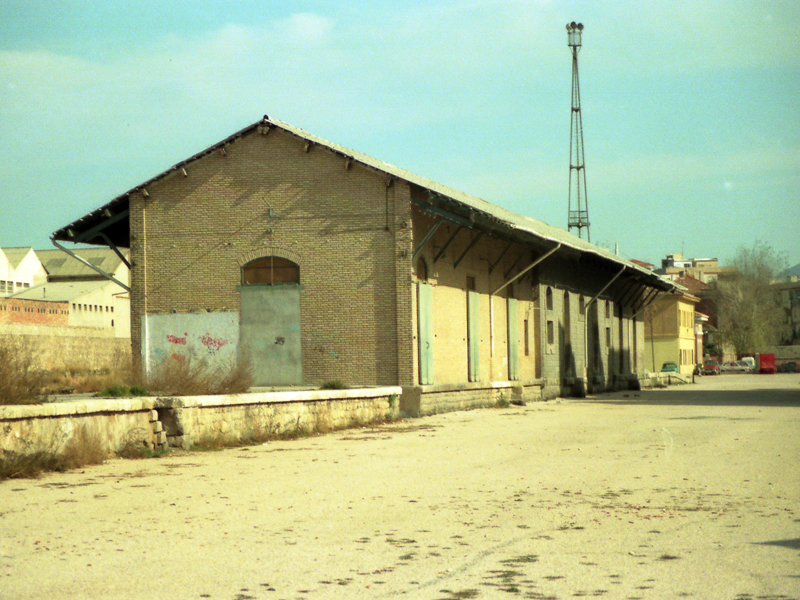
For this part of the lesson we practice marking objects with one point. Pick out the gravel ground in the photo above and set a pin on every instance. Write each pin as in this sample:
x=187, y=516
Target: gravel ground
x=688, y=492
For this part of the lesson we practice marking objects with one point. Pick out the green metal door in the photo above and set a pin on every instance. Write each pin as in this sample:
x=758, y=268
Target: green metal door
x=513, y=354
x=425, y=337
x=473, y=336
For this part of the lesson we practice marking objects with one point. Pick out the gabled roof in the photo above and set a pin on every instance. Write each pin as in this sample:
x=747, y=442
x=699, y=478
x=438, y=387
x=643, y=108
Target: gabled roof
x=60, y=265
x=111, y=220
x=692, y=284
x=641, y=263
x=16, y=255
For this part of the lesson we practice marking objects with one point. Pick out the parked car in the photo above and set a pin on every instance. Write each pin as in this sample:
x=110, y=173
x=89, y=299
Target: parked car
x=670, y=366
x=710, y=367
x=750, y=361
x=736, y=366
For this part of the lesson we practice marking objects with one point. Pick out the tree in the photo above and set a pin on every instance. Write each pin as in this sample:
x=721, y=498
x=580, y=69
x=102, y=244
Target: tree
x=749, y=309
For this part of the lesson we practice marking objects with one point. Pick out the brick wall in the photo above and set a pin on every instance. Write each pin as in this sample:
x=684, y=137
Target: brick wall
x=37, y=312
x=268, y=195
x=352, y=231
x=449, y=315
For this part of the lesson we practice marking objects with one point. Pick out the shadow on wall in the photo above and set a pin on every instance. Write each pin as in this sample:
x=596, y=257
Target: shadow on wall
x=572, y=383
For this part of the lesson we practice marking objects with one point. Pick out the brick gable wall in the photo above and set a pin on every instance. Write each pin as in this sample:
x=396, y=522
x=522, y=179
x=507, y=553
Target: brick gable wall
x=268, y=195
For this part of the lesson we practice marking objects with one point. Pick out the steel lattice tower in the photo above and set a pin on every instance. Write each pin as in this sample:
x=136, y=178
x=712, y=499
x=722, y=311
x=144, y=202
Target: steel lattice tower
x=578, y=215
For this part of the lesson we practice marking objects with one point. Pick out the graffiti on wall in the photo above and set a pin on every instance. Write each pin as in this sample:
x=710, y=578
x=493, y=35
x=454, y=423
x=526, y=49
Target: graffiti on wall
x=212, y=344
x=207, y=337
x=174, y=339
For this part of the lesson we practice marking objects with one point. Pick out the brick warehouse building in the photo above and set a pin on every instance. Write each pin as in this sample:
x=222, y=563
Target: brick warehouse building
x=321, y=263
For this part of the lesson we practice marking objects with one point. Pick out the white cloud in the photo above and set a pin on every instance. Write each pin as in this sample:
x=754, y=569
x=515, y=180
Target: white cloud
x=306, y=29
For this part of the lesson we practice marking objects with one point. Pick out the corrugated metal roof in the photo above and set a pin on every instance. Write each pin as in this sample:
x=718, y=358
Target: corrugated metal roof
x=515, y=221
x=59, y=264
x=62, y=291
x=519, y=223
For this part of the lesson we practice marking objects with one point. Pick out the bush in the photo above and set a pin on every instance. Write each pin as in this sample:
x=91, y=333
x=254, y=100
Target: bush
x=336, y=384
x=23, y=381
x=84, y=448
x=20, y=381
x=192, y=377
x=115, y=391
x=121, y=391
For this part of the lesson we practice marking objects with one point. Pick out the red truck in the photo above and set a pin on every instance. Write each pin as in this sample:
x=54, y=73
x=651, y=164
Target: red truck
x=766, y=363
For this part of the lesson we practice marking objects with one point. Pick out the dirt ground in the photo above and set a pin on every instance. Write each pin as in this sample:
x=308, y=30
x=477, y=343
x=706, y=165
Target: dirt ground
x=688, y=492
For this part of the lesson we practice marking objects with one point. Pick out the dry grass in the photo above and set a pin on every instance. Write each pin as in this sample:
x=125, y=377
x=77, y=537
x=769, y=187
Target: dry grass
x=192, y=377
x=20, y=381
x=85, y=447
x=23, y=381
x=135, y=446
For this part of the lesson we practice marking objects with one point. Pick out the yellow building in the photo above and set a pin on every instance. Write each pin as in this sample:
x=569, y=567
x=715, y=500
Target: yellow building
x=669, y=332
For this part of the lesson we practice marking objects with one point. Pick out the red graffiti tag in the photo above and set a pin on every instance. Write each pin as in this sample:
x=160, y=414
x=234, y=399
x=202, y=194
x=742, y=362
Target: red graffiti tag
x=173, y=339
x=213, y=344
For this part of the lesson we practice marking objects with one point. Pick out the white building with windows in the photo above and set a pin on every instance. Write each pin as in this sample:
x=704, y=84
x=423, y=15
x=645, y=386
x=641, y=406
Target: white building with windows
x=20, y=269
x=94, y=301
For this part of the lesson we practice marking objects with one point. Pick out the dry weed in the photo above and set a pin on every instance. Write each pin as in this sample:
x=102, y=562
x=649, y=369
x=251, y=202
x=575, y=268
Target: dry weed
x=20, y=381
x=85, y=447
x=192, y=377
x=135, y=446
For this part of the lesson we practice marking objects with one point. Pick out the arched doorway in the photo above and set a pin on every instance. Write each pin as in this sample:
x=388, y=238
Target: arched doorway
x=269, y=328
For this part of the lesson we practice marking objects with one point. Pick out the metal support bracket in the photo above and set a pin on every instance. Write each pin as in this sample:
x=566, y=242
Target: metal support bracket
x=447, y=243
x=428, y=236
x=469, y=247
x=499, y=258
x=90, y=265
x=528, y=268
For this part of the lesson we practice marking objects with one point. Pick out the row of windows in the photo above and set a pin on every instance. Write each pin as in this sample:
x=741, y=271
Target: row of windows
x=91, y=307
x=7, y=287
x=48, y=311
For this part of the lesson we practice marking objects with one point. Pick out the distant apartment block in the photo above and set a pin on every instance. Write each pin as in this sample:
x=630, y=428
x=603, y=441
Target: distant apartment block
x=706, y=270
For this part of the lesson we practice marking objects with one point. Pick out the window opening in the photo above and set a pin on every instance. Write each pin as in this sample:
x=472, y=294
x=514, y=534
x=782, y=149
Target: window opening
x=422, y=269
x=527, y=345
x=270, y=271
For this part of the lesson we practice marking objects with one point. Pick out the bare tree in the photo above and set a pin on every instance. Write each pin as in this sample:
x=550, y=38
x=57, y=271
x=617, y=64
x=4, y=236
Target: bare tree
x=750, y=312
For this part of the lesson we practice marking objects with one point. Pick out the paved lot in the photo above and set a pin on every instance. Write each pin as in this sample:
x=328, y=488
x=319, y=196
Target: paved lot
x=689, y=492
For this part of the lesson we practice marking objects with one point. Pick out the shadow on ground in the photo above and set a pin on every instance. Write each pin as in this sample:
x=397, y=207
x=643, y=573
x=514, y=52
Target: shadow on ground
x=745, y=390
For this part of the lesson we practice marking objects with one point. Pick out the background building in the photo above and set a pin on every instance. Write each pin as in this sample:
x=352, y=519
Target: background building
x=75, y=317
x=670, y=332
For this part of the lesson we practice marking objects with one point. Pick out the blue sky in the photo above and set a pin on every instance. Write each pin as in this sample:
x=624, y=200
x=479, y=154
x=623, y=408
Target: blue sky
x=691, y=109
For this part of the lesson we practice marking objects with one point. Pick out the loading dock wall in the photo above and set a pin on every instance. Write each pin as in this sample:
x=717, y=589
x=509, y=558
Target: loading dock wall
x=183, y=421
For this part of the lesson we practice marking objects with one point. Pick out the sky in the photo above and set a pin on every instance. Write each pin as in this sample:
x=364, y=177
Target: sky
x=690, y=108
